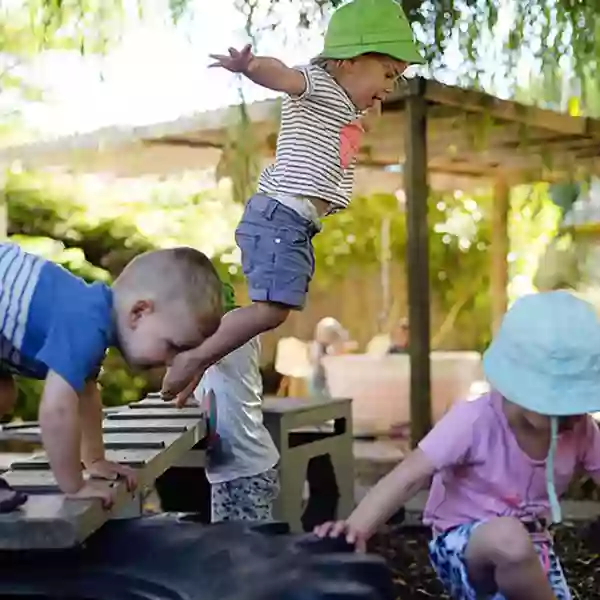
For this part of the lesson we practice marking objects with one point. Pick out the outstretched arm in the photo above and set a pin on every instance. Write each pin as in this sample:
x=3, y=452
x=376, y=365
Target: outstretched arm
x=390, y=493
x=268, y=72
x=92, y=442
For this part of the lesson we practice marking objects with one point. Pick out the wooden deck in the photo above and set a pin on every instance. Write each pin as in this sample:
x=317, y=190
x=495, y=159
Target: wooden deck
x=150, y=440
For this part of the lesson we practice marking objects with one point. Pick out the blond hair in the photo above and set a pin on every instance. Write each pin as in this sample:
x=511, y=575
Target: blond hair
x=176, y=274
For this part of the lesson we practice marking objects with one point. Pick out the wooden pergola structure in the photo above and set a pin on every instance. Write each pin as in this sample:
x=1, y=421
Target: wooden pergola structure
x=429, y=135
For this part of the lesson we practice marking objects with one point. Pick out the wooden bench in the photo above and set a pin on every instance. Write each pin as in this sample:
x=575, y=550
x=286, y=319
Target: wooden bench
x=149, y=440
x=303, y=431
x=142, y=434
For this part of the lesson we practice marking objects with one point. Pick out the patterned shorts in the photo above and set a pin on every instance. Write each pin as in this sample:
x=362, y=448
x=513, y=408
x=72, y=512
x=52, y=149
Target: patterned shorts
x=447, y=554
x=246, y=498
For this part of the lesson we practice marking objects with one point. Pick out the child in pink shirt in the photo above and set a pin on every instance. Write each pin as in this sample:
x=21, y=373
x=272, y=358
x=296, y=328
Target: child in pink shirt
x=499, y=463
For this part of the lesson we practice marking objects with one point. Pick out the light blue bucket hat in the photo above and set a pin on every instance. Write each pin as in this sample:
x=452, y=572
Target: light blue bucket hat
x=546, y=359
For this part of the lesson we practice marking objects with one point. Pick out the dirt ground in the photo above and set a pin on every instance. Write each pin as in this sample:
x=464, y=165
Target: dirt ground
x=405, y=549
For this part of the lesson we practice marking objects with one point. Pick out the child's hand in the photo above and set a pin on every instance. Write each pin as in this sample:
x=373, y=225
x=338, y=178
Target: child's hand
x=93, y=490
x=335, y=529
x=107, y=469
x=236, y=62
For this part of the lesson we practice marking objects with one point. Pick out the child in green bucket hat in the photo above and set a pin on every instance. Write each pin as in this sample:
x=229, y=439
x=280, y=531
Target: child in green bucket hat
x=368, y=45
x=500, y=462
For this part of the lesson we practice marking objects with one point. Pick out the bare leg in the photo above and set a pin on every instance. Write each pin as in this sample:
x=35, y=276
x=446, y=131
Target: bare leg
x=237, y=328
x=504, y=547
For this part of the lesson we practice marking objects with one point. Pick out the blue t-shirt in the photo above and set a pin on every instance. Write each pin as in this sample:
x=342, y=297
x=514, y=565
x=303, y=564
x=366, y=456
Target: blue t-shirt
x=51, y=320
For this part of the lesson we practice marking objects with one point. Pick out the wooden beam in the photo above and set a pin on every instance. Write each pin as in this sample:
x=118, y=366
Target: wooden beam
x=475, y=101
x=417, y=259
x=499, y=253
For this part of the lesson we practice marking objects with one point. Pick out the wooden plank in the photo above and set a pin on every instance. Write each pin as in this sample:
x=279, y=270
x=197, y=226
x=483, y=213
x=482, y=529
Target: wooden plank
x=123, y=441
x=417, y=259
x=274, y=404
x=132, y=458
x=148, y=425
x=54, y=522
x=157, y=413
x=475, y=101
x=30, y=481
x=118, y=426
x=152, y=403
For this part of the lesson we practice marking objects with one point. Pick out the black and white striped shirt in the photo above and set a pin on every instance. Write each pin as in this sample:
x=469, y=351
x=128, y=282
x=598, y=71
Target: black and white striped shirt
x=317, y=145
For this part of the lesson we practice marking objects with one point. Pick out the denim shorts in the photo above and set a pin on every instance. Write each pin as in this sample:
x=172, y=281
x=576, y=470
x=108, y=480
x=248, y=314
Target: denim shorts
x=447, y=554
x=278, y=259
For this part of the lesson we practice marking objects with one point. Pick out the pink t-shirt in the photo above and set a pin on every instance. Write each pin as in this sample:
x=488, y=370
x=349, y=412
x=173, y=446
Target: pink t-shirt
x=481, y=472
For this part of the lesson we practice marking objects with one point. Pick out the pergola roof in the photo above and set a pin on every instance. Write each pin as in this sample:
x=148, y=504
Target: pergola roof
x=473, y=139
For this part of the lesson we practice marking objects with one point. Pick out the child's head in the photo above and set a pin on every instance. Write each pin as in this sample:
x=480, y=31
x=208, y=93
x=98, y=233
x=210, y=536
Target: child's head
x=166, y=302
x=546, y=355
x=545, y=359
x=329, y=331
x=368, y=45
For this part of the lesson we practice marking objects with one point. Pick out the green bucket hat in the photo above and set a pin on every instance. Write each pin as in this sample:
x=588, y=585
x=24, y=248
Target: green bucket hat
x=363, y=26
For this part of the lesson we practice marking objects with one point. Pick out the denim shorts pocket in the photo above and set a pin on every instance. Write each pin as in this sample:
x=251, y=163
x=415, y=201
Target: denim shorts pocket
x=248, y=245
x=292, y=237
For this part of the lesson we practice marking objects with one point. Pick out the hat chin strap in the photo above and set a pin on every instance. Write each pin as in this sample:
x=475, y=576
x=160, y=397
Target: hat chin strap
x=550, y=486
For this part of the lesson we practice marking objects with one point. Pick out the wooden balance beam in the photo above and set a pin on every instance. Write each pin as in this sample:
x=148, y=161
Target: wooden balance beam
x=149, y=440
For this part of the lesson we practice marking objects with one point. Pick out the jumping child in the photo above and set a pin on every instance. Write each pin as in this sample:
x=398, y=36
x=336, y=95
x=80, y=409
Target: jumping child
x=368, y=45
x=56, y=327
x=500, y=462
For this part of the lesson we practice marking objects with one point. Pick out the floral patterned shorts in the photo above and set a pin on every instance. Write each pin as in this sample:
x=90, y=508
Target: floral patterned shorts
x=245, y=498
x=447, y=554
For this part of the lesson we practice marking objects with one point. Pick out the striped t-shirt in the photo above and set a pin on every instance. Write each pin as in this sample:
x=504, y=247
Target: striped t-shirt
x=318, y=142
x=51, y=320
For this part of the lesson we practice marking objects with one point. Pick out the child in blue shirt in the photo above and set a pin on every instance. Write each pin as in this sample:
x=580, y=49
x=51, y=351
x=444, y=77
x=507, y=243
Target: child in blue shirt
x=55, y=326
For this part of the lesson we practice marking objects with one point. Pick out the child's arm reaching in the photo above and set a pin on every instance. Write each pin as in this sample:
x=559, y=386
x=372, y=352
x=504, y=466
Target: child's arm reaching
x=262, y=70
x=92, y=443
x=61, y=433
x=61, y=436
x=391, y=492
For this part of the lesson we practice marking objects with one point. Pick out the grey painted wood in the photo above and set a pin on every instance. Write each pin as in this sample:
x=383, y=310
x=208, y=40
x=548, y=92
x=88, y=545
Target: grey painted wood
x=51, y=521
x=284, y=415
x=131, y=457
x=148, y=425
x=272, y=404
x=121, y=441
x=157, y=413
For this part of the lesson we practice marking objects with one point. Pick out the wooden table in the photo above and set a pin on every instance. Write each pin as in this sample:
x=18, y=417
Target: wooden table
x=149, y=440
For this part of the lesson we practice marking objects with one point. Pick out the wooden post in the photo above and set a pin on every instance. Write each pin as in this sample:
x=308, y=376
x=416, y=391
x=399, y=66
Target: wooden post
x=499, y=253
x=417, y=258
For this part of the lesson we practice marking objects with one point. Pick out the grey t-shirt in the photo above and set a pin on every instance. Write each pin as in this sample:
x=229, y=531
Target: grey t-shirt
x=244, y=447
